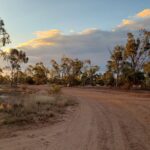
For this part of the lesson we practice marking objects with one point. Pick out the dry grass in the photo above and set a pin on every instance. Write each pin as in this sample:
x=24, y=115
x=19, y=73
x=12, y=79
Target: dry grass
x=34, y=109
x=54, y=89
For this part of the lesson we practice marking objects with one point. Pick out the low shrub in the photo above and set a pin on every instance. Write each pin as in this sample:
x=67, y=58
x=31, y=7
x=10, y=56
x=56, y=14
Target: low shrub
x=35, y=108
x=55, y=89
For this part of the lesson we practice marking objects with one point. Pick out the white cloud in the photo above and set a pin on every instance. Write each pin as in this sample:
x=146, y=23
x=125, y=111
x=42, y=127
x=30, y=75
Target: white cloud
x=49, y=33
x=144, y=13
x=141, y=20
x=90, y=43
x=126, y=22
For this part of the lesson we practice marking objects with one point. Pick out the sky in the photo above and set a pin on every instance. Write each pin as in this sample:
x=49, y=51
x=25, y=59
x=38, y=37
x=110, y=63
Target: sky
x=48, y=29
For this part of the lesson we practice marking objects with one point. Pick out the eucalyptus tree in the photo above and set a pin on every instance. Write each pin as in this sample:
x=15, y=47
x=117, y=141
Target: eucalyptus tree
x=15, y=57
x=137, y=53
x=73, y=71
x=76, y=71
x=108, y=78
x=147, y=68
x=147, y=74
x=4, y=36
x=116, y=61
x=92, y=74
x=55, y=68
x=37, y=73
x=1, y=71
x=29, y=71
x=66, y=68
x=85, y=70
x=137, y=50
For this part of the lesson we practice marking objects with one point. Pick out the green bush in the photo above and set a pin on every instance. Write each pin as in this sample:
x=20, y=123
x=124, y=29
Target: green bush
x=55, y=89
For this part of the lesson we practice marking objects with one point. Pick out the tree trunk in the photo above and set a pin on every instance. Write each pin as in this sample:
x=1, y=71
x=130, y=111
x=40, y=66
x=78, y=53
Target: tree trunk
x=12, y=77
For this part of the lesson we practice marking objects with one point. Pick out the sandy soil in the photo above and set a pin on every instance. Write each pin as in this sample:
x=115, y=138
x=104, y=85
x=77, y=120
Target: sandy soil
x=104, y=120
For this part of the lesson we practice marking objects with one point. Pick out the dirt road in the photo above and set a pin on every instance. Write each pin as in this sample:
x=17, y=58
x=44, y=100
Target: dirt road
x=104, y=120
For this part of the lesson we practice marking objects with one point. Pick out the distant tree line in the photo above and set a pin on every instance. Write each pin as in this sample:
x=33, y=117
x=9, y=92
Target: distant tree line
x=128, y=66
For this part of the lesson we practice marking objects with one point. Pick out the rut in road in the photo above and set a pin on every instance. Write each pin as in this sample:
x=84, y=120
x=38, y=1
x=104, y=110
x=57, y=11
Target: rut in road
x=102, y=121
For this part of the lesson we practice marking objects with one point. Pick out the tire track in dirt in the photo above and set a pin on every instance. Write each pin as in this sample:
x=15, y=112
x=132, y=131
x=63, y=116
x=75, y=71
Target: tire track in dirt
x=133, y=130
x=108, y=123
x=101, y=122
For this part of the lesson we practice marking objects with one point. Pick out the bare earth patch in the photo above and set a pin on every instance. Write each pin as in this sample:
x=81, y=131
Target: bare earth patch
x=104, y=120
x=25, y=108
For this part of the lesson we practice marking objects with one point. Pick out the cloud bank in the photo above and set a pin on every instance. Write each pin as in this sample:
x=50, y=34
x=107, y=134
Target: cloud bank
x=91, y=43
x=138, y=21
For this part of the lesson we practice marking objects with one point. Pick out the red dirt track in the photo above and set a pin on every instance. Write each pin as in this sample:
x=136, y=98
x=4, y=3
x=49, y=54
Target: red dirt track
x=104, y=120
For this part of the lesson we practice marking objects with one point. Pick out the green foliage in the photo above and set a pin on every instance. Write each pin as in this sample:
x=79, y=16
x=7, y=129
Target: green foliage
x=116, y=62
x=129, y=65
x=108, y=78
x=37, y=74
x=137, y=50
x=72, y=72
x=4, y=36
x=147, y=68
x=15, y=57
x=55, y=89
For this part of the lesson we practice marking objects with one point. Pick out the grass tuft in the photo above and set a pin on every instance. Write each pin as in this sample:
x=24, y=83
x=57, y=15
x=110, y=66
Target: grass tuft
x=34, y=109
